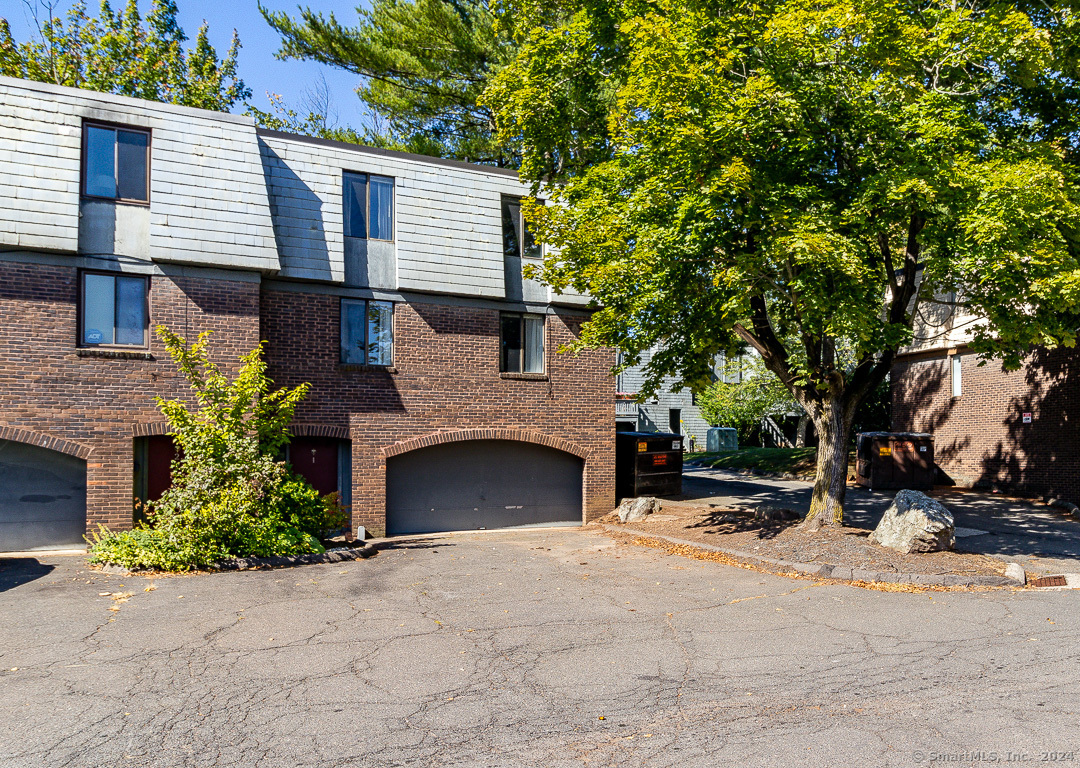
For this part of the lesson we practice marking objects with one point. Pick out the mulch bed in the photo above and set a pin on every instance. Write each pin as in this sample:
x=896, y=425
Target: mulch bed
x=736, y=528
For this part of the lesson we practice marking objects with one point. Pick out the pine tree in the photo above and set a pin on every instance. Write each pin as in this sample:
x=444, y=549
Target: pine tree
x=119, y=52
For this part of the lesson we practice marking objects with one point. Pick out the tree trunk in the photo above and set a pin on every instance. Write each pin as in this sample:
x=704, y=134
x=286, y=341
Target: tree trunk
x=800, y=432
x=833, y=428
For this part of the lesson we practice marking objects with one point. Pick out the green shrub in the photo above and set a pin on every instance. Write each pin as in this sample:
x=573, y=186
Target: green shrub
x=231, y=494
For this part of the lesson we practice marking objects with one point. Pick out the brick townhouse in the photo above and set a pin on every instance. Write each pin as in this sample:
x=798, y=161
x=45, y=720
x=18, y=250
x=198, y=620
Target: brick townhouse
x=1012, y=431
x=391, y=282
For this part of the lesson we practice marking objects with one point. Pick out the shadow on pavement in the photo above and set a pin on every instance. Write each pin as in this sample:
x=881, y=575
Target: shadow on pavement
x=996, y=526
x=17, y=571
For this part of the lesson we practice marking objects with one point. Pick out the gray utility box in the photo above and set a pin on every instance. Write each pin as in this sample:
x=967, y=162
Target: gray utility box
x=648, y=464
x=721, y=439
x=895, y=460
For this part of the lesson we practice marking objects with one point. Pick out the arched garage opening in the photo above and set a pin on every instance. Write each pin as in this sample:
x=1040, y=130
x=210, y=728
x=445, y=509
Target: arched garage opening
x=42, y=498
x=478, y=484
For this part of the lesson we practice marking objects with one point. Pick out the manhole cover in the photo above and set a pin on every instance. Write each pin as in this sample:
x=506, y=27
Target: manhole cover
x=1050, y=581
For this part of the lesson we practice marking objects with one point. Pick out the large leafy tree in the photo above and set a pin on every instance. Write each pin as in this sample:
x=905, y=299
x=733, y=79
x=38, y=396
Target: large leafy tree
x=120, y=52
x=423, y=65
x=801, y=176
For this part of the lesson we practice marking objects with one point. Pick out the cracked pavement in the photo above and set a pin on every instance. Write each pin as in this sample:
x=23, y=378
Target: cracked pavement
x=545, y=647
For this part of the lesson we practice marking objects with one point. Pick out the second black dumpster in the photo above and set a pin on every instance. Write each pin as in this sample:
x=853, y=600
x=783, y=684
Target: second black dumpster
x=648, y=464
x=895, y=460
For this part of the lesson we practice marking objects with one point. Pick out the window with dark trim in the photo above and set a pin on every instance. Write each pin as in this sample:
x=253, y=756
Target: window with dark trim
x=522, y=341
x=367, y=203
x=367, y=332
x=113, y=310
x=116, y=163
x=517, y=239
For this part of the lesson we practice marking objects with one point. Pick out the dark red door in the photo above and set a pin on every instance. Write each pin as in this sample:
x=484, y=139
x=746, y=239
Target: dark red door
x=316, y=460
x=160, y=452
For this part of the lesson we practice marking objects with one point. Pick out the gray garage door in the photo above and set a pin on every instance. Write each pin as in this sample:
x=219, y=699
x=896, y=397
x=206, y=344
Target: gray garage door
x=42, y=498
x=482, y=484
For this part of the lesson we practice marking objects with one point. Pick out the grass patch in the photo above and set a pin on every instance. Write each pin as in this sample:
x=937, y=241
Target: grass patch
x=794, y=461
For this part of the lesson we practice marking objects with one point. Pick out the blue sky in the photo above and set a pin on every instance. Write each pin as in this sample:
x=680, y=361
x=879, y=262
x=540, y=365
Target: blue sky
x=258, y=67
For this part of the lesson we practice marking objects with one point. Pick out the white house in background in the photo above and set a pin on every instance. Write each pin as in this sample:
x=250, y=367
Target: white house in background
x=677, y=411
x=667, y=410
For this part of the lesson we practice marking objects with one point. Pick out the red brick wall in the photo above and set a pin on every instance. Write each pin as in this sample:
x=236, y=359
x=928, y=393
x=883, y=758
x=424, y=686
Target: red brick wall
x=445, y=378
x=91, y=405
x=980, y=438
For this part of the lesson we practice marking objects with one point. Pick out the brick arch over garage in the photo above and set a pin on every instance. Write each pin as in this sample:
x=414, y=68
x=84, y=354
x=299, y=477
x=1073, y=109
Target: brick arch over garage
x=42, y=440
x=454, y=436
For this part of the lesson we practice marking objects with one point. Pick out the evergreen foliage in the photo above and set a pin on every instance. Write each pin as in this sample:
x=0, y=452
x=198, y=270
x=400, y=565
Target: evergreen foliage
x=121, y=53
x=423, y=65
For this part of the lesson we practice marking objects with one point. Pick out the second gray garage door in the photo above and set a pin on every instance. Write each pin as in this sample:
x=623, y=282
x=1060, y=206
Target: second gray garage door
x=480, y=484
x=42, y=498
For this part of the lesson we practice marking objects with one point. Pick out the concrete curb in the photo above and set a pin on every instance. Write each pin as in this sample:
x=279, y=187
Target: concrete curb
x=829, y=571
x=337, y=555
x=1068, y=508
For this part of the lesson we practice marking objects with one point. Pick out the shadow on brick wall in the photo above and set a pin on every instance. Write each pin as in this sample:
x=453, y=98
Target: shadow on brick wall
x=1040, y=455
x=217, y=297
x=919, y=408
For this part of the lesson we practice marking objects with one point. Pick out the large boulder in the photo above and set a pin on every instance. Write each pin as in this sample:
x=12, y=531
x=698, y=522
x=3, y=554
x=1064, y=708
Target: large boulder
x=633, y=510
x=915, y=523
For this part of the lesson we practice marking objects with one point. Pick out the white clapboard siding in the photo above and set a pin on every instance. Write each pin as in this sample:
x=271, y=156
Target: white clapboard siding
x=224, y=194
x=208, y=201
x=447, y=228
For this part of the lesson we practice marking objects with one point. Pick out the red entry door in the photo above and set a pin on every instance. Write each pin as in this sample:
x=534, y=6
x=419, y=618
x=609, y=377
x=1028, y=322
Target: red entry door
x=160, y=452
x=316, y=460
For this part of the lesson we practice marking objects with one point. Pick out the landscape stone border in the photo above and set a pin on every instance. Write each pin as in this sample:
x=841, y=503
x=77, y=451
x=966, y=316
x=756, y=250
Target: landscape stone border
x=336, y=555
x=829, y=571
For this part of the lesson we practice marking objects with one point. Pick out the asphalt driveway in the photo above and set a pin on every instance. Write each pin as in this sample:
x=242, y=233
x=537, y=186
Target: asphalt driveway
x=1043, y=539
x=552, y=648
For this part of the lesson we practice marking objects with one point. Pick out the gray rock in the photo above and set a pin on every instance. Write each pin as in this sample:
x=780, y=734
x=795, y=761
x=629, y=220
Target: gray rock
x=774, y=514
x=1016, y=572
x=915, y=523
x=634, y=510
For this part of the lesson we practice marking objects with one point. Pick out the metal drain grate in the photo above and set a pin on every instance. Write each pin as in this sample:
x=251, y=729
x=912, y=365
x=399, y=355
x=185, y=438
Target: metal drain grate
x=1050, y=581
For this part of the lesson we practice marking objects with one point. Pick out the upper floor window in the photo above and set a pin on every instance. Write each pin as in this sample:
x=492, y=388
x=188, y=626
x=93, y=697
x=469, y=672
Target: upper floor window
x=367, y=332
x=113, y=310
x=116, y=163
x=368, y=206
x=517, y=239
x=522, y=339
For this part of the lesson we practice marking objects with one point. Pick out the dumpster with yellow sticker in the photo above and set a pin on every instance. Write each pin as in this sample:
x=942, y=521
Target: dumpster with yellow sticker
x=648, y=464
x=895, y=460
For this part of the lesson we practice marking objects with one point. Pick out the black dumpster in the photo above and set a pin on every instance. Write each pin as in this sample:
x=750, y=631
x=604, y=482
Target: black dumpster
x=895, y=460
x=648, y=464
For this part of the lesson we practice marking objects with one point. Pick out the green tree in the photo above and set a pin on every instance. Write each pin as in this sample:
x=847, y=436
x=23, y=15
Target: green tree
x=423, y=65
x=801, y=176
x=119, y=52
x=757, y=394
x=231, y=492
